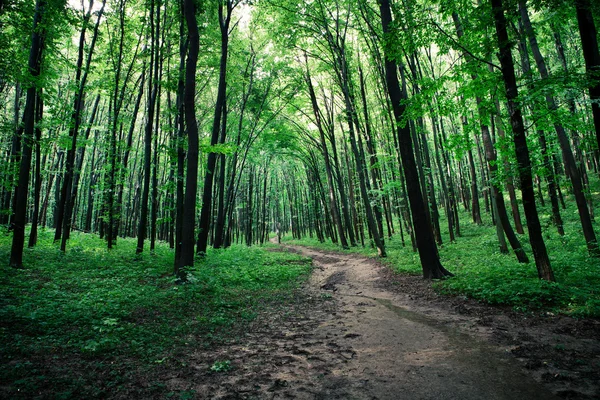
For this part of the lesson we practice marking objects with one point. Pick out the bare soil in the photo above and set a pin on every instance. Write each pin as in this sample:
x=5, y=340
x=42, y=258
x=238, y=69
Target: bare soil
x=358, y=331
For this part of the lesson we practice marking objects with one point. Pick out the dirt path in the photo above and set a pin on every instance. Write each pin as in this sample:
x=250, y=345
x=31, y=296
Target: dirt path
x=359, y=332
x=401, y=351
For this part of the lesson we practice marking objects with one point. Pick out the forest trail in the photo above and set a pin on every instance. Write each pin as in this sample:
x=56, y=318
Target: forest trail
x=357, y=331
x=398, y=349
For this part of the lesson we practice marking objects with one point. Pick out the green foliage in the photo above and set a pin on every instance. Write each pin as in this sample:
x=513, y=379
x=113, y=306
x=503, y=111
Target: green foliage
x=221, y=366
x=97, y=307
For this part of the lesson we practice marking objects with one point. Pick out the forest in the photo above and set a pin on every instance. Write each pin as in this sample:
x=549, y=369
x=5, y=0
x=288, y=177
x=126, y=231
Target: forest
x=166, y=168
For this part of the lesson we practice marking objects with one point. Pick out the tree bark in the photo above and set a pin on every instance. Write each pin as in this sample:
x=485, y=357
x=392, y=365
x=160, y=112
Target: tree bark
x=153, y=91
x=328, y=170
x=34, y=68
x=567, y=153
x=68, y=194
x=522, y=152
x=591, y=54
x=430, y=261
x=33, y=234
x=207, y=194
x=186, y=258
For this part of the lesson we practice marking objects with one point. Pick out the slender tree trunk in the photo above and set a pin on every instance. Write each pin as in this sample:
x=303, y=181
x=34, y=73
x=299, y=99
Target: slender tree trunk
x=263, y=222
x=153, y=92
x=206, y=212
x=522, y=152
x=90, y=194
x=13, y=159
x=591, y=54
x=34, y=67
x=179, y=198
x=567, y=153
x=127, y=152
x=510, y=187
x=154, y=198
x=249, y=208
x=430, y=262
x=186, y=258
x=332, y=203
x=33, y=235
x=498, y=198
x=73, y=132
x=69, y=190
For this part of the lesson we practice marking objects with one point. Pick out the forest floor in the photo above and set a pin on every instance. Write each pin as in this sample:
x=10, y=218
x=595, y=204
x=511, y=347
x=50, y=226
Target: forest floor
x=263, y=323
x=359, y=331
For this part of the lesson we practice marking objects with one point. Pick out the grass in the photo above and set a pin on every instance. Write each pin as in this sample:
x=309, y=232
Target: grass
x=78, y=325
x=483, y=273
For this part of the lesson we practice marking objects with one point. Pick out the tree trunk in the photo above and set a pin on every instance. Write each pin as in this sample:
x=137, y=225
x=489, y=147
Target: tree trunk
x=153, y=91
x=34, y=67
x=522, y=152
x=207, y=193
x=498, y=197
x=567, y=153
x=591, y=54
x=179, y=197
x=69, y=190
x=33, y=236
x=6, y=213
x=186, y=258
x=328, y=170
x=430, y=261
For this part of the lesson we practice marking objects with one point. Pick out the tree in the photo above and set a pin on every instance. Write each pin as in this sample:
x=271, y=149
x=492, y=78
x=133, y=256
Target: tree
x=563, y=140
x=591, y=54
x=186, y=258
x=153, y=83
x=22, y=190
x=65, y=210
x=430, y=261
x=521, y=151
x=225, y=10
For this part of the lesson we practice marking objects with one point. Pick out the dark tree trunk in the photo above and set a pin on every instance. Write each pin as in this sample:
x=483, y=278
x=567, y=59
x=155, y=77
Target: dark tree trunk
x=34, y=67
x=328, y=170
x=153, y=92
x=430, y=261
x=154, y=198
x=501, y=218
x=186, y=258
x=207, y=194
x=567, y=153
x=127, y=152
x=329, y=130
x=33, y=234
x=263, y=221
x=90, y=194
x=510, y=187
x=179, y=197
x=68, y=194
x=591, y=54
x=81, y=153
x=498, y=198
x=65, y=192
x=522, y=152
x=373, y=159
x=250, y=208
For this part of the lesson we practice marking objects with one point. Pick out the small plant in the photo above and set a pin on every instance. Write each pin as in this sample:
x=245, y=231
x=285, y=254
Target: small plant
x=221, y=366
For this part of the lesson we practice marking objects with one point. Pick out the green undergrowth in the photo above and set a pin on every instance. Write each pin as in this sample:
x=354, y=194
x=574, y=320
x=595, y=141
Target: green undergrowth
x=483, y=273
x=93, y=308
